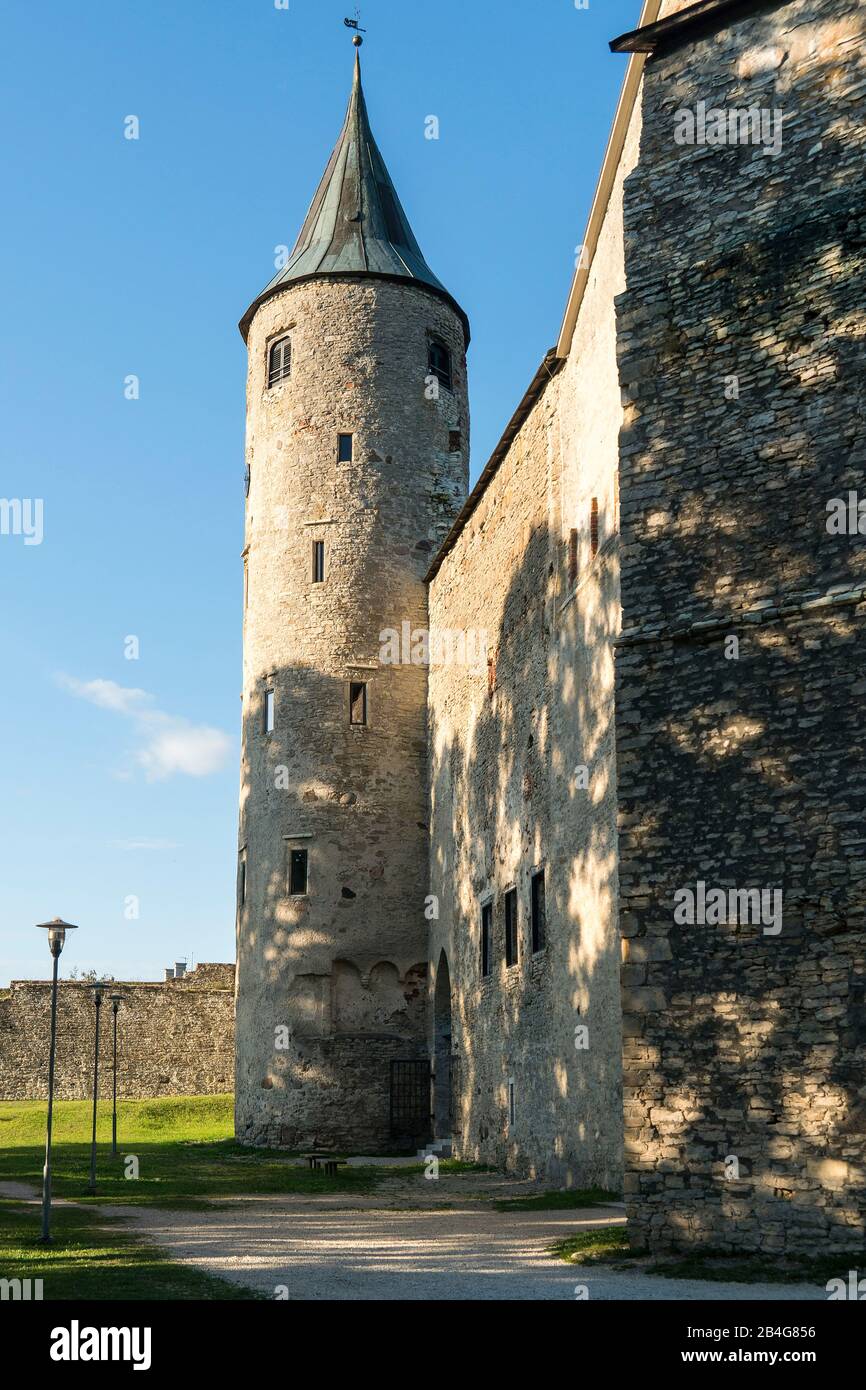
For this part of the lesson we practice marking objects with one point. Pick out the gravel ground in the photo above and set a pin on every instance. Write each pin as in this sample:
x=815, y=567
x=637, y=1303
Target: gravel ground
x=411, y=1239
x=371, y=1252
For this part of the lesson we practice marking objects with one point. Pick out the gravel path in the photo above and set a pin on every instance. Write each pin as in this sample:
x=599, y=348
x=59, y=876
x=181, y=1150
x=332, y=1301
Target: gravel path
x=410, y=1239
x=372, y=1253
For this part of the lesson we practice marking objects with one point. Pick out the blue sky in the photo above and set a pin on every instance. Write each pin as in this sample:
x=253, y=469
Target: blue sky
x=137, y=257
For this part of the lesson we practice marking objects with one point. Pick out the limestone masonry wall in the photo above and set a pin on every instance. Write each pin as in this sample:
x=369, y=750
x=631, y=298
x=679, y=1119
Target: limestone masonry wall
x=740, y=670
x=509, y=798
x=173, y=1039
x=341, y=970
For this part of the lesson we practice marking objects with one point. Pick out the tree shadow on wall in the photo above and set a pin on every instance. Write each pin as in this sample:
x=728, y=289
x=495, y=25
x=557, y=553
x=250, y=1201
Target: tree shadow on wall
x=746, y=772
x=507, y=799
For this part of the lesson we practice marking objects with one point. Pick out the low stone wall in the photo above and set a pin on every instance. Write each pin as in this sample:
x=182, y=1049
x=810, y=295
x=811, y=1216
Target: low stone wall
x=173, y=1039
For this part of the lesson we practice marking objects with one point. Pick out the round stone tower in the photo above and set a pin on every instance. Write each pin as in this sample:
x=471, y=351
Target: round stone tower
x=357, y=449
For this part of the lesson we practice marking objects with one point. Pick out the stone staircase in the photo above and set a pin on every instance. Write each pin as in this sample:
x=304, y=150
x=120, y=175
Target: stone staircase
x=440, y=1147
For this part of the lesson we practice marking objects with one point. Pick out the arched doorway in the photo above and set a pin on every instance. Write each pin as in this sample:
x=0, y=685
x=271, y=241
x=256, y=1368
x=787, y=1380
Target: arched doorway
x=442, y=1062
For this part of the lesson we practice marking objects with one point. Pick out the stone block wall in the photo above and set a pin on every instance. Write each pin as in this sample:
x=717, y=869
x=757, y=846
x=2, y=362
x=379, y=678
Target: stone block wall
x=173, y=1039
x=328, y=980
x=740, y=668
x=508, y=749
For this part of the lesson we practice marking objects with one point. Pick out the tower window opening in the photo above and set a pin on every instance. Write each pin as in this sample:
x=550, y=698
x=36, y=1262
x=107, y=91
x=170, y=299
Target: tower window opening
x=318, y=562
x=593, y=526
x=511, y=1112
x=572, y=556
x=511, y=927
x=357, y=702
x=486, y=929
x=344, y=448
x=279, y=361
x=439, y=361
x=269, y=712
x=538, y=913
x=298, y=873
x=454, y=441
x=242, y=880
x=491, y=675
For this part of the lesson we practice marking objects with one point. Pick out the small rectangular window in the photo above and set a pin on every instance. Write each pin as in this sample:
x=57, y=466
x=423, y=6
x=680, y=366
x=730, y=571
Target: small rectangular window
x=486, y=927
x=539, y=922
x=242, y=880
x=572, y=556
x=511, y=927
x=318, y=562
x=297, y=873
x=455, y=443
x=344, y=448
x=357, y=702
x=593, y=526
x=511, y=1111
x=269, y=711
x=439, y=362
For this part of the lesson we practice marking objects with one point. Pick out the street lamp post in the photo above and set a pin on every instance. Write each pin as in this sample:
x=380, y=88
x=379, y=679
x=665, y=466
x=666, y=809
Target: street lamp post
x=115, y=1005
x=56, y=936
x=97, y=999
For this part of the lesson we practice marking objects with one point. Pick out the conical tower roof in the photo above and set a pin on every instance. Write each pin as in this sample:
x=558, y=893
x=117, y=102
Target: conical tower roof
x=356, y=224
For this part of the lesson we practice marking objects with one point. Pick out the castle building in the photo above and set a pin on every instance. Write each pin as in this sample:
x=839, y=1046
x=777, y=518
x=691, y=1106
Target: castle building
x=357, y=464
x=479, y=893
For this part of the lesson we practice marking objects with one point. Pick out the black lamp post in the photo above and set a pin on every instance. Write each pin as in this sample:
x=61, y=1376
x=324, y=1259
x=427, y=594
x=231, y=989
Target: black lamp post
x=115, y=1005
x=56, y=936
x=98, y=988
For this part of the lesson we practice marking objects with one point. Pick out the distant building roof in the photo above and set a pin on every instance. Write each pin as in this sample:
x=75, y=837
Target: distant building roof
x=356, y=224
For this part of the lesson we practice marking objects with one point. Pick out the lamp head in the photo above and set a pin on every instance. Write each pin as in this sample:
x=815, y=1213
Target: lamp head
x=56, y=930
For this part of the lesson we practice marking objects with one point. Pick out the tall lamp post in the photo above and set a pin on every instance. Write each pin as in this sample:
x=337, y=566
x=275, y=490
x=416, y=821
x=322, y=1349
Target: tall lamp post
x=98, y=988
x=56, y=936
x=115, y=1005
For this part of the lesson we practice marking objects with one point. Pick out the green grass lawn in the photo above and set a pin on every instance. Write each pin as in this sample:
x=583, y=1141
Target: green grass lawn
x=183, y=1145
x=571, y=1200
x=90, y=1259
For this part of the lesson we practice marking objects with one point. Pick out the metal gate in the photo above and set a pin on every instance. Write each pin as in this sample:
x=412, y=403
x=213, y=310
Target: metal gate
x=410, y=1099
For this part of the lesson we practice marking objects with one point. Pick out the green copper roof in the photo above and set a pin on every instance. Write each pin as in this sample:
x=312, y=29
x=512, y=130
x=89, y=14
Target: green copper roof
x=356, y=224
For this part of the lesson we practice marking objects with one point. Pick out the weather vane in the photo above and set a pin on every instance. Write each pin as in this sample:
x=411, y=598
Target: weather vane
x=356, y=25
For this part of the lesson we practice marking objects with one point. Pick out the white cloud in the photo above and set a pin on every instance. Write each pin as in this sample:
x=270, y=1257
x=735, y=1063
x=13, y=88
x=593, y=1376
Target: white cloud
x=123, y=699
x=193, y=749
x=169, y=743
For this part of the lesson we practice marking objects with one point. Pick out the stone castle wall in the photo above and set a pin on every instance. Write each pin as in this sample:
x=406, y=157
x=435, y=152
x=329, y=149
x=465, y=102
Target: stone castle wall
x=173, y=1039
x=331, y=985
x=741, y=767
x=507, y=797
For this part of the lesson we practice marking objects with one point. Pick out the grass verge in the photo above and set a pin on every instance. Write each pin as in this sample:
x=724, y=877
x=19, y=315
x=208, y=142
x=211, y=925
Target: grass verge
x=609, y=1245
x=90, y=1259
x=571, y=1200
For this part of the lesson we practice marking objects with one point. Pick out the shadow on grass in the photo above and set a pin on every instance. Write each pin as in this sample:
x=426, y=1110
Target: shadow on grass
x=89, y=1259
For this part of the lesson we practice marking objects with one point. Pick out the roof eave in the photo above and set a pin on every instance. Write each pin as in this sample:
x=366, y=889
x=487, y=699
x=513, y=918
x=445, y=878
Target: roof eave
x=703, y=17
x=246, y=321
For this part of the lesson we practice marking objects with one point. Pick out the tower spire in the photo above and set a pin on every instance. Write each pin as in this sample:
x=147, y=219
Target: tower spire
x=356, y=224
